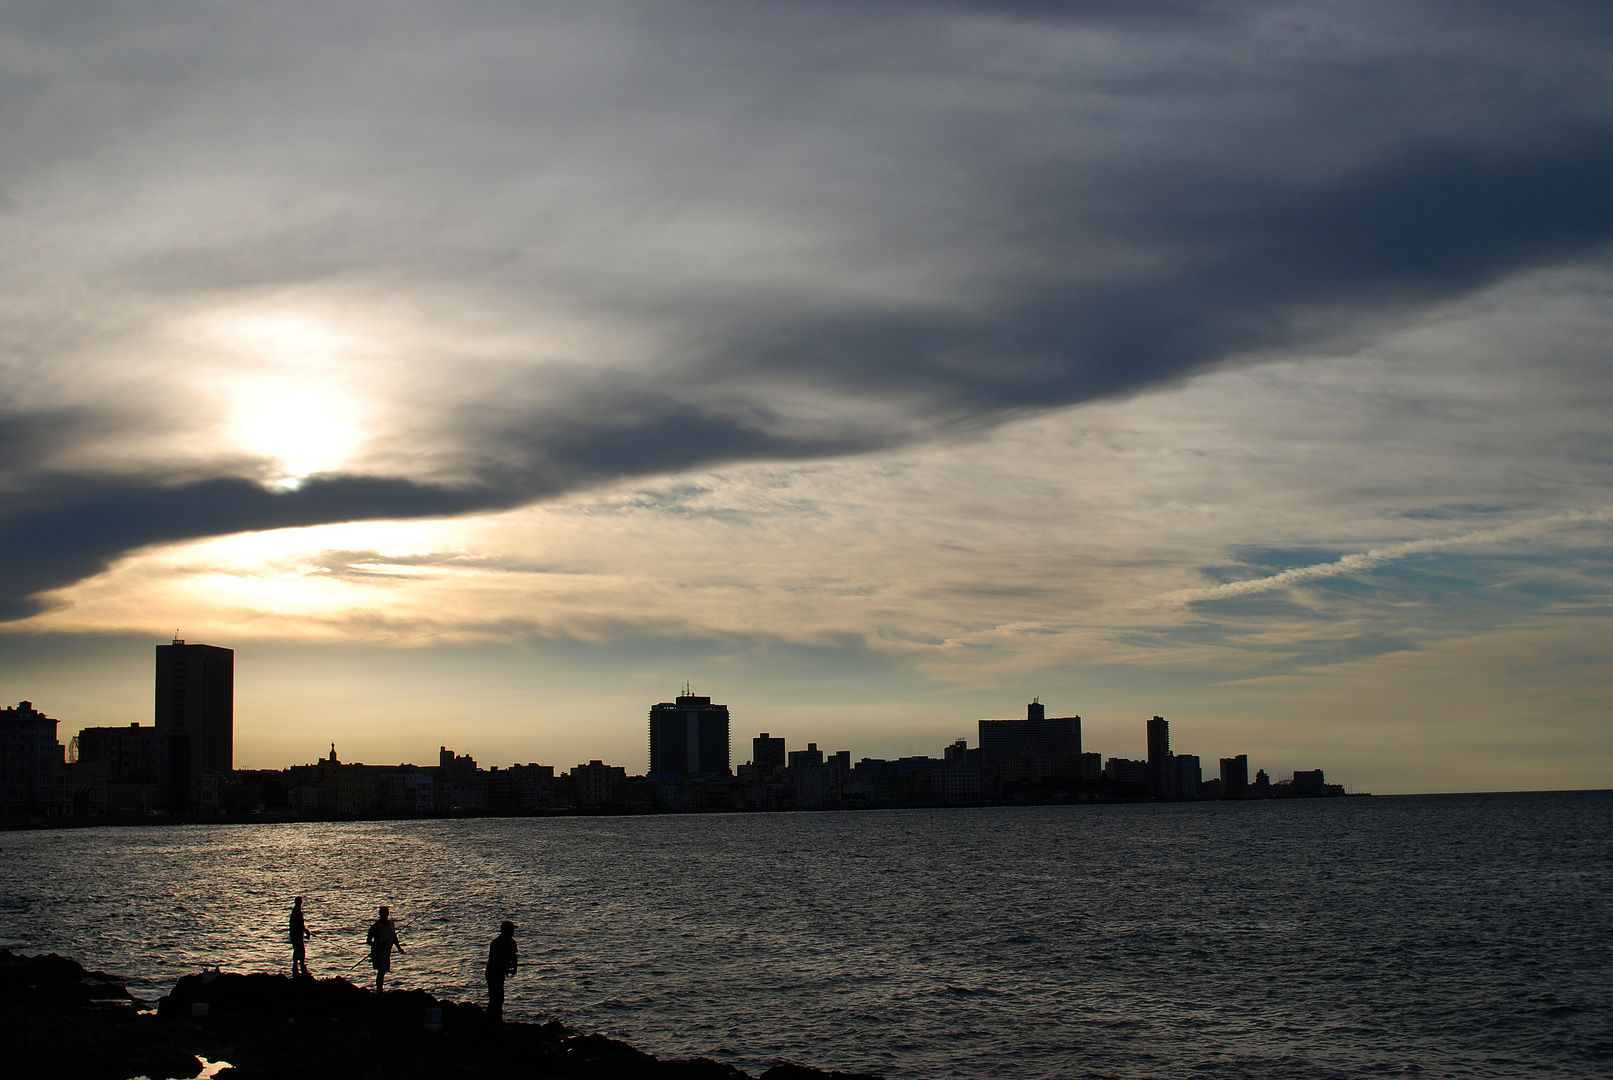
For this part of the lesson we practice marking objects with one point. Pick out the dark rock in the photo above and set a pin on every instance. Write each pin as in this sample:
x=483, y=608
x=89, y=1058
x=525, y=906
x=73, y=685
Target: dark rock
x=57, y=1019
x=701, y=1069
x=56, y=977
x=62, y=1020
x=788, y=1070
x=265, y=995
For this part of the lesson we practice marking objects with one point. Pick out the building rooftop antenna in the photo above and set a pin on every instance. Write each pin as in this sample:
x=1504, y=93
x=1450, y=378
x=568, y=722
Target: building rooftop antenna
x=177, y=639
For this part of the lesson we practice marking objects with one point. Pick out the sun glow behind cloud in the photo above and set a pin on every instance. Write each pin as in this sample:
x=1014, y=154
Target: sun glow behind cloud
x=1364, y=594
x=298, y=389
x=972, y=343
x=300, y=425
x=1098, y=535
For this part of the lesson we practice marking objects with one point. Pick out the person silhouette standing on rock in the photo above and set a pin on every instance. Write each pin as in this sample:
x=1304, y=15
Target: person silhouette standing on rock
x=500, y=966
x=299, y=934
x=382, y=939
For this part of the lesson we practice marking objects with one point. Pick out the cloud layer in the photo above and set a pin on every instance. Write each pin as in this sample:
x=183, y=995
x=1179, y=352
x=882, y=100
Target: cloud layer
x=557, y=246
x=1241, y=514
x=1392, y=564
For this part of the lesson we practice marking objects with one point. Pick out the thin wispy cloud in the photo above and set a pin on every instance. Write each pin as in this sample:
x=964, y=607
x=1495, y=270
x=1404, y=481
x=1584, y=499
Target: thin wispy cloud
x=645, y=239
x=1168, y=344
x=1365, y=561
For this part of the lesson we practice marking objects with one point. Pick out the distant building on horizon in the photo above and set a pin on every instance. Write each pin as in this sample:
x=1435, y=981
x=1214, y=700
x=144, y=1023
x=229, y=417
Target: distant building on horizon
x=767, y=752
x=1311, y=784
x=139, y=764
x=458, y=772
x=1186, y=776
x=196, y=699
x=810, y=756
x=1235, y=776
x=1159, y=759
x=1126, y=771
x=30, y=759
x=1035, y=747
x=689, y=737
x=596, y=783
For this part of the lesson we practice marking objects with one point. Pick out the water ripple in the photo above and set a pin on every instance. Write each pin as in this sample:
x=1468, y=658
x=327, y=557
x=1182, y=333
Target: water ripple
x=1452, y=936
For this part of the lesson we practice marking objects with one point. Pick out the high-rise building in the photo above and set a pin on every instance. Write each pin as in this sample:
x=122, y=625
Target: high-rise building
x=1186, y=775
x=1235, y=776
x=196, y=699
x=1034, y=747
x=689, y=737
x=1159, y=759
x=30, y=758
x=767, y=752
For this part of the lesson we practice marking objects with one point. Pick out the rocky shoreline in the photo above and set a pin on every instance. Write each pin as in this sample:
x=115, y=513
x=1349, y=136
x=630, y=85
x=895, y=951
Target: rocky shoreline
x=63, y=1020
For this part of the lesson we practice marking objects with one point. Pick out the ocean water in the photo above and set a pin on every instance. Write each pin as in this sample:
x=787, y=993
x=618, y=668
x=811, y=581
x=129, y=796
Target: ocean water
x=1437, y=936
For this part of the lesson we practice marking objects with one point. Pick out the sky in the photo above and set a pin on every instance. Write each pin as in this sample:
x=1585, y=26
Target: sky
x=482, y=372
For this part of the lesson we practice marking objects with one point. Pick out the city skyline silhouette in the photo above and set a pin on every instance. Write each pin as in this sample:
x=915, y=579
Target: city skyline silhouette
x=1246, y=367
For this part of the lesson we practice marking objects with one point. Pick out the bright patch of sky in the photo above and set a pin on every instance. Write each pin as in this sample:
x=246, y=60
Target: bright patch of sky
x=1285, y=535
x=878, y=366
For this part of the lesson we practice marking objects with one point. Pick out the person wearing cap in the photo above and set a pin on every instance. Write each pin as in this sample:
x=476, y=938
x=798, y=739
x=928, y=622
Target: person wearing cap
x=500, y=966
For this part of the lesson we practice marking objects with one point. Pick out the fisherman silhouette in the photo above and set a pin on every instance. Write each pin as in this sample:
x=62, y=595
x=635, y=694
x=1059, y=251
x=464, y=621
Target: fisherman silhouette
x=299, y=934
x=382, y=939
x=500, y=965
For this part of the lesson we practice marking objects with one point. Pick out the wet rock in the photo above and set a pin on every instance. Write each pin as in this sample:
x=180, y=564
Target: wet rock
x=56, y=977
x=65, y=1021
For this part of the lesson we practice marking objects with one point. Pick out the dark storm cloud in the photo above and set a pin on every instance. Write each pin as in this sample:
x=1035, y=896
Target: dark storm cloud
x=1433, y=224
x=61, y=534
x=63, y=527
x=626, y=435
x=897, y=219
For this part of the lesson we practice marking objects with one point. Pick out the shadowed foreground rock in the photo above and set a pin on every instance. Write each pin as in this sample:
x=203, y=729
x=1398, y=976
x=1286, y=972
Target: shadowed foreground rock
x=62, y=1020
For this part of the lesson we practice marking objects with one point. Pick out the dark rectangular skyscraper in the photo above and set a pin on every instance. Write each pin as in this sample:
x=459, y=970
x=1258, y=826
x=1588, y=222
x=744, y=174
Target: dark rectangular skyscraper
x=1055, y=740
x=767, y=752
x=1159, y=759
x=689, y=736
x=196, y=698
x=1235, y=776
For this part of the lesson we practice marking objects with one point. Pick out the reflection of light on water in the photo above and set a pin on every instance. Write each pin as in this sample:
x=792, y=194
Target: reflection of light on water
x=679, y=930
x=209, y=1069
